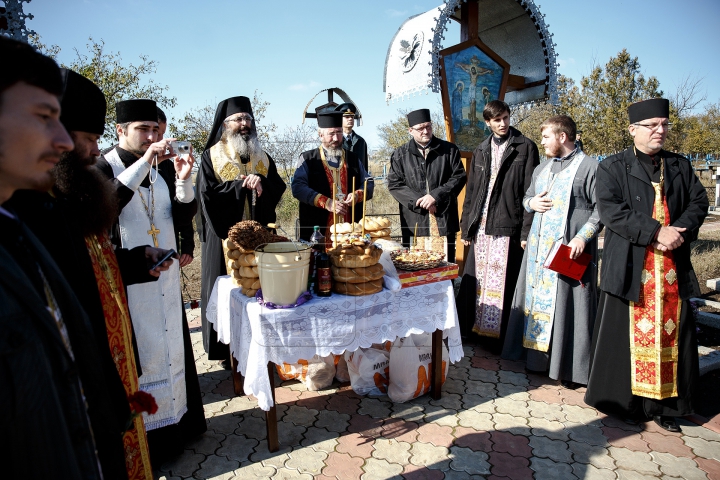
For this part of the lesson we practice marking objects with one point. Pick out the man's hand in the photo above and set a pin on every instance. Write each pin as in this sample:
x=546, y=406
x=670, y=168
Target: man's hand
x=159, y=148
x=425, y=202
x=433, y=209
x=523, y=244
x=577, y=246
x=253, y=182
x=184, y=165
x=341, y=208
x=153, y=255
x=670, y=237
x=185, y=260
x=466, y=242
x=540, y=203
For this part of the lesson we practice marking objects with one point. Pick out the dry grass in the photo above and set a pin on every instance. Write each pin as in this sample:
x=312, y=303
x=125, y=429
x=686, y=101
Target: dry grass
x=705, y=257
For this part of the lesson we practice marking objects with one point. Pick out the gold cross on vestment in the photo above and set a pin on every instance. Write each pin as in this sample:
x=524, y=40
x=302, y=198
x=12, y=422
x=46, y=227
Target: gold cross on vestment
x=154, y=232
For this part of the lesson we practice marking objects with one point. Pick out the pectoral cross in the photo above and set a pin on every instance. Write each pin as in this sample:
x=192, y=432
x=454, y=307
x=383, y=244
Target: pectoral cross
x=154, y=232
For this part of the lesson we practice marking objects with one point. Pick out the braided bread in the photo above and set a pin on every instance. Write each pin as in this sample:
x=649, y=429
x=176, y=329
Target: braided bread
x=357, y=275
x=247, y=260
x=354, y=256
x=366, y=288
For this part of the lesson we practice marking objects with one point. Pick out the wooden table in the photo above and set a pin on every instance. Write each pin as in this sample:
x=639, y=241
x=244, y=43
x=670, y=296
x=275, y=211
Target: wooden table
x=259, y=338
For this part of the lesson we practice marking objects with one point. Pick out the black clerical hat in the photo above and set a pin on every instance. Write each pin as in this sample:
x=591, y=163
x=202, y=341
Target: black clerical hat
x=653, y=108
x=137, y=110
x=418, y=116
x=83, y=105
x=229, y=106
x=330, y=120
x=347, y=109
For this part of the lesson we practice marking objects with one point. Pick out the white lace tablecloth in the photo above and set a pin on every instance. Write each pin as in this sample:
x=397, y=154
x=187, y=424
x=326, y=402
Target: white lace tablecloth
x=325, y=325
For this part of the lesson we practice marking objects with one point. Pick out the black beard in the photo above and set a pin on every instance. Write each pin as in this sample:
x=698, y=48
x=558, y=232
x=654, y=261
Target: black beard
x=90, y=197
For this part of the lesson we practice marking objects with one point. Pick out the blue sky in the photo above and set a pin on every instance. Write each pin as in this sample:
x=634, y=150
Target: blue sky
x=290, y=50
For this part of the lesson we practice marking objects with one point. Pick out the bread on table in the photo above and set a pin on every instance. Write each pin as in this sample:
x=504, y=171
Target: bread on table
x=357, y=289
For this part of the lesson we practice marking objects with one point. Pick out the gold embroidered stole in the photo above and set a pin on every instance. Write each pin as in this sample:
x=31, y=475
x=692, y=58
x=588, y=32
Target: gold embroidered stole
x=655, y=318
x=117, y=323
x=338, y=176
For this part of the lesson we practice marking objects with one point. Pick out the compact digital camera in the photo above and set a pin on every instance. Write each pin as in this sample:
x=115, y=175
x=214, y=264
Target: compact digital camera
x=181, y=147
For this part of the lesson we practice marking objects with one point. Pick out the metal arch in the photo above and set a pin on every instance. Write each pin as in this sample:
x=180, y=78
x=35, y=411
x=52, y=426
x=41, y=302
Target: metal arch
x=15, y=18
x=345, y=97
x=538, y=19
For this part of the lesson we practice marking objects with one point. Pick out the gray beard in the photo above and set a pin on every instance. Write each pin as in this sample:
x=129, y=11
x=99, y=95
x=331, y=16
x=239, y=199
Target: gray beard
x=246, y=148
x=334, y=152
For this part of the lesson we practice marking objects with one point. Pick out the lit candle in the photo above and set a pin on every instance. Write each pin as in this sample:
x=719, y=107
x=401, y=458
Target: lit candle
x=352, y=208
x=333, y=206
x=364, y=204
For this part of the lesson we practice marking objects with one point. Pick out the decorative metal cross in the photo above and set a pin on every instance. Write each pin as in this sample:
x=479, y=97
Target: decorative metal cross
x=154, y=232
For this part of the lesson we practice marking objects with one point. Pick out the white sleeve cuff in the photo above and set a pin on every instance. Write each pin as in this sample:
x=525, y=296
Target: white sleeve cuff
x=133, y=176
x=184, y=191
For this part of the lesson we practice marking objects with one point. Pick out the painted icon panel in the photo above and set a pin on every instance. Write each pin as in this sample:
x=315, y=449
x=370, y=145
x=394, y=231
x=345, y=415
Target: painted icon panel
x=473, y=80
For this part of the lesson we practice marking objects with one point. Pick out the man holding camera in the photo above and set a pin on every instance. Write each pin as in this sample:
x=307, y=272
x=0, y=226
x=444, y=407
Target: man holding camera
x=156, y=200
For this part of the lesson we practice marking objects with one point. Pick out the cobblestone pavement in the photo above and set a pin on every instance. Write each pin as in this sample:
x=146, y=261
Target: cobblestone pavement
x=494, y=421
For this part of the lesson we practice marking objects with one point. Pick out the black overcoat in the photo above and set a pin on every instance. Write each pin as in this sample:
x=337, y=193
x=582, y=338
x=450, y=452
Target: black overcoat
x=44, y=421
x=411, y=176
x=505, y=215
x=625, y=198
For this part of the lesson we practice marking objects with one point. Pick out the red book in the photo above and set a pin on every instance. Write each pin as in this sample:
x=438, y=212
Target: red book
x=558, y=260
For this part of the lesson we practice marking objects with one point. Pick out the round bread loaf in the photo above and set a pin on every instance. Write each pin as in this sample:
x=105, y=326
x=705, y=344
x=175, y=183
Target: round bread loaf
x=236, y=273
x=367, y=288
x=383, y=232
x=357, y=275
x=233, y=254
x=249, y=272
x=247, y=260
x=248, y=292
x=229, y=244
x=343, y=228
x=369, y=257
x=232, y=265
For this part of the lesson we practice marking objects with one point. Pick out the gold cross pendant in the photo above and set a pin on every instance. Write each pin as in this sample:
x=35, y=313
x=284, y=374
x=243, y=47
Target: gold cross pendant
x=154, y=232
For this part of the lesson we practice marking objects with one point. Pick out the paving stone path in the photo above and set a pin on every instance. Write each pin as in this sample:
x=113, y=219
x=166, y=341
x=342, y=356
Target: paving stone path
x=494, y=421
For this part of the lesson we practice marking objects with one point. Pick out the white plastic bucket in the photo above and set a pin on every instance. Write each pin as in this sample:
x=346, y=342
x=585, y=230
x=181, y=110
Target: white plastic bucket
x=283, y=269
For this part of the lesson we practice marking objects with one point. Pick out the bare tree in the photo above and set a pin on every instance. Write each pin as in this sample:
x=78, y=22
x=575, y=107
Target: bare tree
x=688, y=95
x=285, y=148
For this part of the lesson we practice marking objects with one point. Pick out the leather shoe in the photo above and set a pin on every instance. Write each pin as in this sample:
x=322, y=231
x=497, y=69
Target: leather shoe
x=667, y=423
x=570, y=385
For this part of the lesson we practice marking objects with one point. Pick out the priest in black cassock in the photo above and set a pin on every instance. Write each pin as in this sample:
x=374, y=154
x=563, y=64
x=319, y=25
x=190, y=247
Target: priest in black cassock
x=156, y=201
x=318, y=169
x=237, y=181
x=644, y=359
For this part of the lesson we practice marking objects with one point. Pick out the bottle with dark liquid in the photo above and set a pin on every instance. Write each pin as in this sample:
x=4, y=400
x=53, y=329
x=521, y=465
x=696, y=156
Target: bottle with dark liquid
x=324, y=278
x=317, y=240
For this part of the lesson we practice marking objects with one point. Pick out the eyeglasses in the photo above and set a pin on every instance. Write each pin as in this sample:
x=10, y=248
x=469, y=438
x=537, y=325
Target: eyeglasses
x=654, y=127
x=423, y=128
x=241, y=119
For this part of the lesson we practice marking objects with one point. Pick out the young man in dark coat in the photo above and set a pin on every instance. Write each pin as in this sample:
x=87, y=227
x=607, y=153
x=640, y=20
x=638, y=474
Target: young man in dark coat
x=495, y=224
x=351, y=140
x=644, y=360
x=72, y=220
x=237, y=181
x=426, y=177
x=51, y=374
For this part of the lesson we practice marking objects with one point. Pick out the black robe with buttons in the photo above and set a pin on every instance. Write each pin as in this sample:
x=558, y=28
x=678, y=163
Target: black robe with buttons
x=625, y=198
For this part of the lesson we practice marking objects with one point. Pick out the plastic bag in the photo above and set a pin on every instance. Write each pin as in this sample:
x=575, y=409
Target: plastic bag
x=316, y=373
x=369, y=370
x=410, y=366
x=341, y=369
